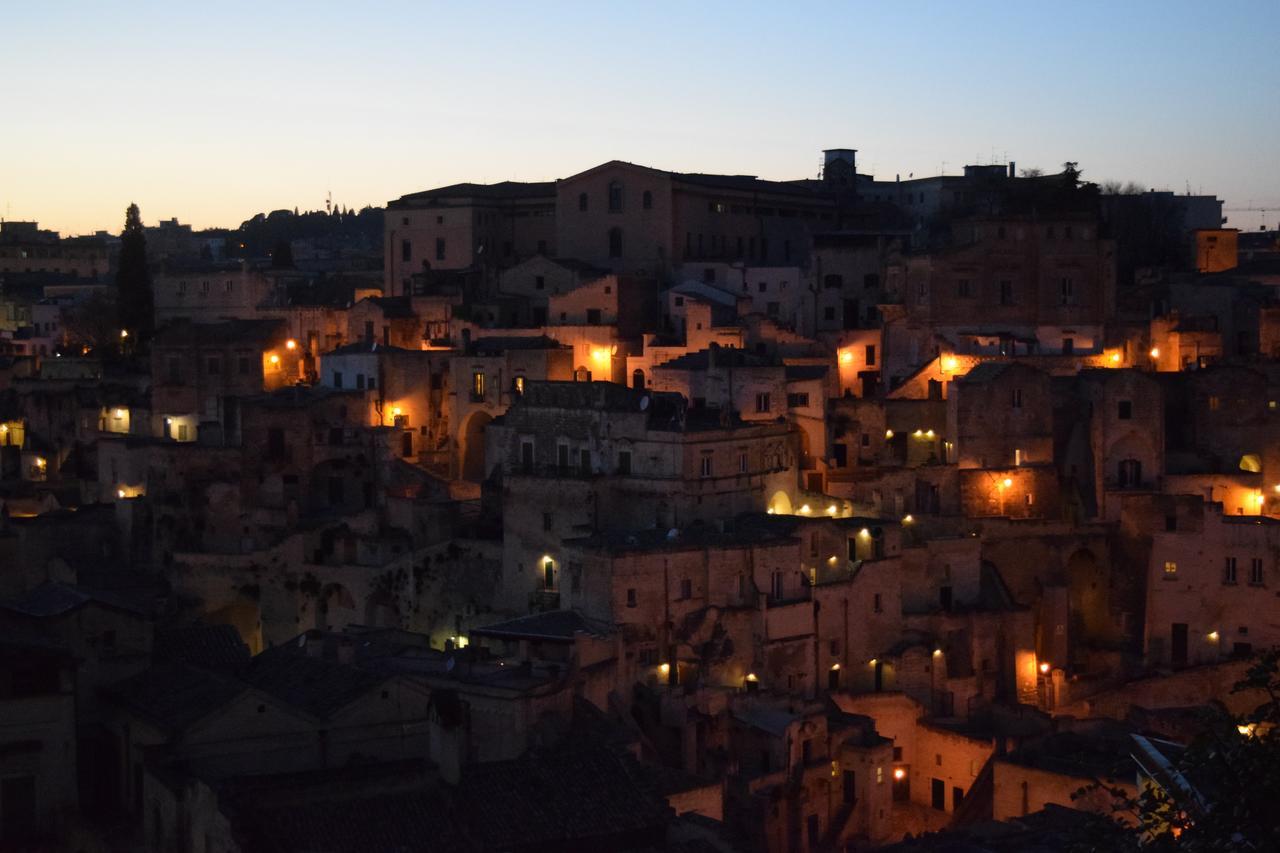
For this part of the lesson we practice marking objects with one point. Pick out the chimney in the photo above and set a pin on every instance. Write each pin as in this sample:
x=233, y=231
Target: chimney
x=1013, y=171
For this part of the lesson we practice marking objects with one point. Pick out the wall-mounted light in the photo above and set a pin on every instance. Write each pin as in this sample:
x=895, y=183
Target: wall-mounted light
x=949, y=363
x=274, y=359
x=1213, y=636
x=1007, y=482
x=1044, y=668
x=291, y=344
x=899, y=773
x=889, y=434
x=1155, y=352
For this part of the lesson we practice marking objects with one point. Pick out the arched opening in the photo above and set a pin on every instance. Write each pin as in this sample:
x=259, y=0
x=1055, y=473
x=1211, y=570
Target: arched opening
x=471, y=450
x=1129, y=474
x=615, y=242
x=381, y=610
x=637, y=379
x=335, y=607
x=582, y=375
x=1090, y=599
x=780, y=503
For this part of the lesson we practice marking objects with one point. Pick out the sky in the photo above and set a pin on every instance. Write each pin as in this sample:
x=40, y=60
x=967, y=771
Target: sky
x=214, y=112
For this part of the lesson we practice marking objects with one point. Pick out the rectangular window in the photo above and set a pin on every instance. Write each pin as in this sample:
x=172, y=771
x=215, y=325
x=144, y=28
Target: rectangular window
x=546, y=522
x=584, y=462
x=1170, y=570
x=686, y=589
x=1125, y=410
x=1229, y=570
x=1016, y=401
x=1006, y=293
x=562, y=457
x=406, y=251
x=539, y=283
x=1255, y=570
x=762, y=403
x=526, y=456
x=877, y=606
x=244, y=365
x=871, y=355
x=962, y=288
x=705, y=465
x=477, y=387
x=631, y=598
x=742, y=462
x=1067, y=287
x=624, y=462
x=439, y=248
x=795, y=401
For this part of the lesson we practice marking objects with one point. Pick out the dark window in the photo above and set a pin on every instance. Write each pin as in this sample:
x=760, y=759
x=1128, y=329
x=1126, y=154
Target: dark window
x=439, y=248
x=406, y=251
x=582, y=201
x=762, y=403
x=832, y=281
x=539, y=283
x=1016, y=400
x=615, y=242
x=584, y=461
x=647, y=200
x=593, y=316
x=631, y=598
x=1125, y=410
x=244, y=365
x=871, y=355
x=1006, y=293
x=337, y=379
x=546, y=522
x=615, y=197
x=526, y=456
x=624, y=462
x=686, y=589
x=1229, y=570
x=962, y=288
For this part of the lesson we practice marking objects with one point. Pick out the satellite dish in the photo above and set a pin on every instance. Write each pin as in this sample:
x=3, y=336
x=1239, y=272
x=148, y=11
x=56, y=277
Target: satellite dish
x=644, y=403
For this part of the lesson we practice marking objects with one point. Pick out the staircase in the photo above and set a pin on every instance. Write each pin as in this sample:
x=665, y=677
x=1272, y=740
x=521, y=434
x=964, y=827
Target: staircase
x=976, y=806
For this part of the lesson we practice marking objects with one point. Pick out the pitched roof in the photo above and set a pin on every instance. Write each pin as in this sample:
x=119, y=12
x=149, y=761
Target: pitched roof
x=315, y=685
x=548, y=625
x=55, y=598
x=216, y=647
x=174, y=696
x=502, y=191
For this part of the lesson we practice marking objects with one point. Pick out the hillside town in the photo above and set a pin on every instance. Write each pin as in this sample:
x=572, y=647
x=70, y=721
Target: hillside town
x=636, y=510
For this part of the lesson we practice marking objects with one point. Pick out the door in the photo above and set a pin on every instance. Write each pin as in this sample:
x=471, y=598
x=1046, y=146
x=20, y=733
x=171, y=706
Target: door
x=406, y=444
x=879, y=669
x=1179, y=644
x=850, y=788
x=833, y=679
x=812, y=827
x=939, y=792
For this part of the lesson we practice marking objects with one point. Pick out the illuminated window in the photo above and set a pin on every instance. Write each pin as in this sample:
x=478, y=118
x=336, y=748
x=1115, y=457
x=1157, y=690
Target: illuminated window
x=879, y=775
x=477, y=386
x=1170, y=569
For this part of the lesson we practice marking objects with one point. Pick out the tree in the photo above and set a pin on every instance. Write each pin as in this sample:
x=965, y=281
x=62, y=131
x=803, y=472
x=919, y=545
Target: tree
x=1223, y=788
x=1032, y=173
x=134, y=300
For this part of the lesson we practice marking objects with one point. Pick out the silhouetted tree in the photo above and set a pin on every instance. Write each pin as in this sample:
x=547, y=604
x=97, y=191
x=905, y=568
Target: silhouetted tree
x=134, y=300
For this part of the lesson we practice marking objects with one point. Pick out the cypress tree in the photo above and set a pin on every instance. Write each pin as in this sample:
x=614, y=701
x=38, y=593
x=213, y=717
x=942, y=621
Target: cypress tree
x=133, y=279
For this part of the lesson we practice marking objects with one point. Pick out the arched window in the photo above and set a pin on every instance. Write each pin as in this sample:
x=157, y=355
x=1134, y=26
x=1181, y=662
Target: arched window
x=615, y=242
x=615, y=197
x=637, y=379
x=647, y=200
x=1130, y=473
x=582, y=201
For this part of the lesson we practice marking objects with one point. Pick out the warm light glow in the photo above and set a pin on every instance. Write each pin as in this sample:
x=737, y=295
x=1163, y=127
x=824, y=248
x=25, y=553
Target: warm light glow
x=769, y=510
x=120, y=413
x=918, y=433
x=751, y=676
x=5, y=428
x=907, y=519
x=846, y=356
x=864, y=532
x=928, y=433
x=395, y=411
x=664, y=668
x=40, y=462
x=937, y=653
x=124, y=333
x=831, y=510
x=889, y=434
x=804, y=509
x=291, y=344
x=835, y=667
x=1155, y=352
x=600, y=354
x=1260, y=498
x=1213, y=636
x=275, y=359
x=899, y=773
x=1007, y=482
x=832, y=559
x=1246, y=729
x=872, y=662
x=1044, y=667
x=949, y=363
x=119, y=493
x=1115, y=358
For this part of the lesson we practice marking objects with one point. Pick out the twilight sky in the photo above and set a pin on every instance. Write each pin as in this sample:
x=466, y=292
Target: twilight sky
x=214, y=112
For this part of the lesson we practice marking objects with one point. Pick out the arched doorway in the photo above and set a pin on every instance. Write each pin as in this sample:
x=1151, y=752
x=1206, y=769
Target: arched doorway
x=637, y=379
x=780, y=503
x=471, y=447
